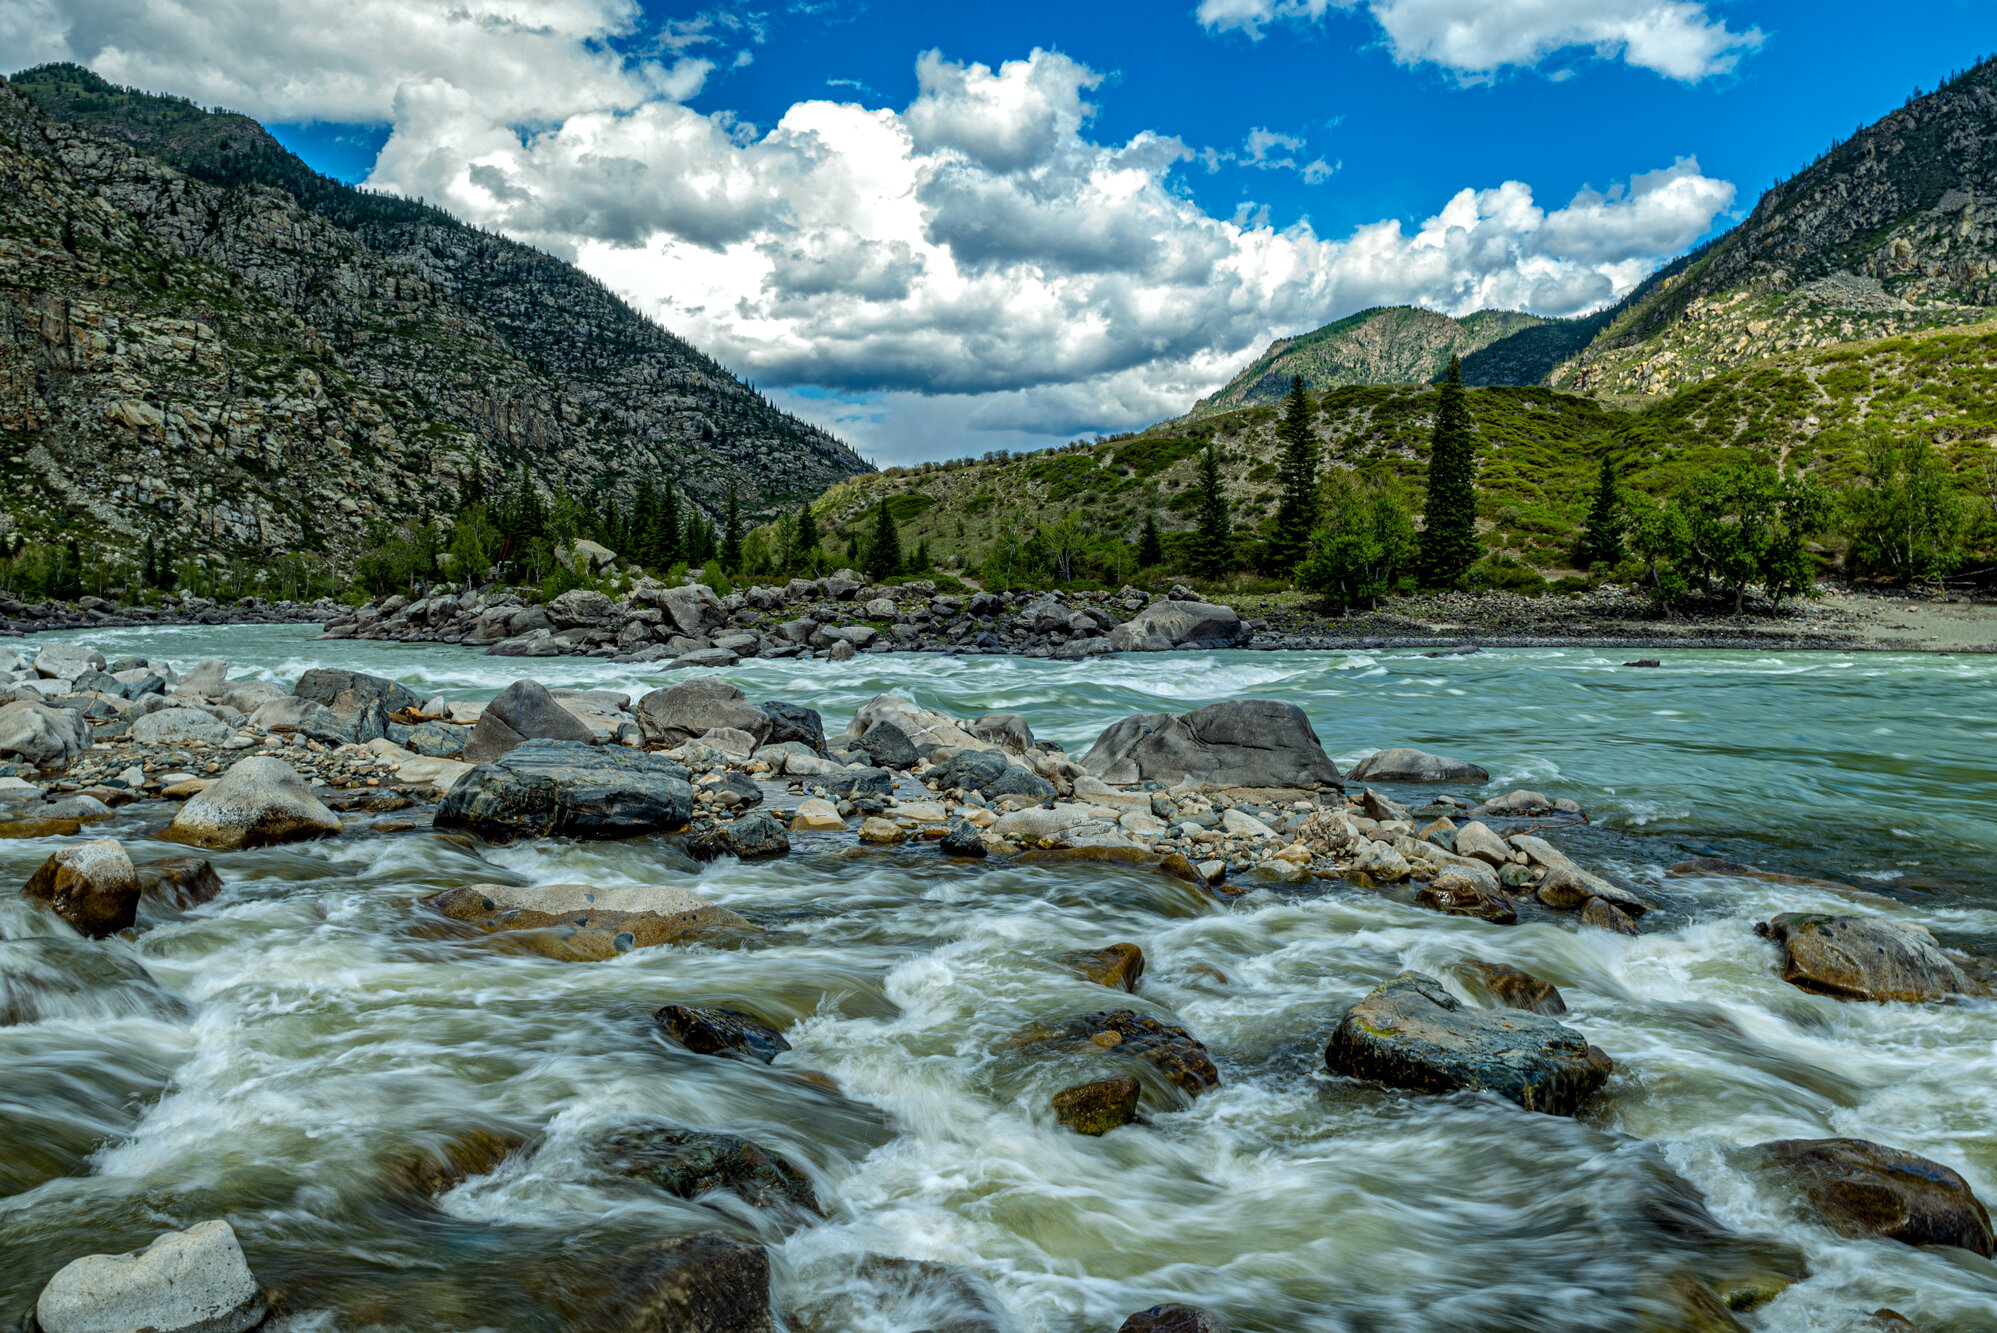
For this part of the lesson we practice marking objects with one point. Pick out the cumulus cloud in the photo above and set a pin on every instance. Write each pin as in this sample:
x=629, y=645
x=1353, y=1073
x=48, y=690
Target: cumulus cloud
x=1476, y=38
x=978, y=252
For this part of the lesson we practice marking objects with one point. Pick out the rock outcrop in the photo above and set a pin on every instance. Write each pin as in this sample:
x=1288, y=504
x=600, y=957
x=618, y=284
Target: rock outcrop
x=1405, y=765
x=569, y=789
x=1236, y=743
x=1867, y=1189
x=91, y=885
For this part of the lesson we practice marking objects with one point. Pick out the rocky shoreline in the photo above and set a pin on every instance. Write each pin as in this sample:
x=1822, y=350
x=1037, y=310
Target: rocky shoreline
x=1232, y=797
x=92, y=613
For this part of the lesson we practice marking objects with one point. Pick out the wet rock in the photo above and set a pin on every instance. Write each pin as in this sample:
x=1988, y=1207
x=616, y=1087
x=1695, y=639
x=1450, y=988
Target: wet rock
x=83, y=808
x=438, y=740
x=1097, y=1107
x=692, y=708
x=1867, y=1189
x=1174, y=1319
x=817, y=815
x=1567, y=886
x=1515, y=989
x=259, y=802
x=1411, y=1033
x=46, y=977
x=876, y=1291
x=1198, y=624
x=1235, y=743
x=37, y=734
x=1166, y=1047
x=794, y=722
x=192, y=1281
x=887, y=746
x=1118, y=966
x=1378, y=861
x=443, y=1166
x=40, y=828
x=1404, y=765
x=987, y=773
x=523, y=711
x=740, y=786
x=1476, y=839
x=720, y=1031
x=1006, y=730
x=352, y=692
x=1865, y=958
x=91, y=885
x=1383, y=808
x=692, y=1162
x=756, y=836
x=1607, y=916
x=962, y=839
x=585, y=923
x=180, y=726
x=1519, y=802
x=882, y=831
x=1459, y=895
x=848, y=782
x=707, y=1283
x=569, y=789
x=179, y=882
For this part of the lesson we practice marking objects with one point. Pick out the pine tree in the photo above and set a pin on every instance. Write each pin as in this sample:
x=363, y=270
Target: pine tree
x=1213, y=539
x=1449, y=543
x=1296, y=512
x=667, y=547
x=149, y=564
x=1150, y=546
x=730, y=554
x=883, y=555
x=697, y=547
x=807, y=533
x=644, y=524
x=1602, y=537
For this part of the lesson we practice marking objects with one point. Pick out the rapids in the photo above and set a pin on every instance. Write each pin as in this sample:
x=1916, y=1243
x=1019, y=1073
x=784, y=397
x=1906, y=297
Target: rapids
x=275, y=1056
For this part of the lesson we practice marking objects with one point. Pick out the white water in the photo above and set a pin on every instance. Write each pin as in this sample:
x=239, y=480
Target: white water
x=331, y=1031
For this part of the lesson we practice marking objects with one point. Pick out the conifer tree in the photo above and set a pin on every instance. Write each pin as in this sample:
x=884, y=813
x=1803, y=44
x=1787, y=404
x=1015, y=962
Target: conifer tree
x=1150, y=546
x=1602, y=538
x=667, y=546
x=1296, y=512
x=1449, y=530
x=643, y=528
x=807, y=534
x=1213, y=539
x=697, y=547
x=883, y=555
x=730, y=554
x=149, y=564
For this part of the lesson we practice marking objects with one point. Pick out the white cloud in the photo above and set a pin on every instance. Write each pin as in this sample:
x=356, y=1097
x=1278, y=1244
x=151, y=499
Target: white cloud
x=1476, y=38
x=973, y=267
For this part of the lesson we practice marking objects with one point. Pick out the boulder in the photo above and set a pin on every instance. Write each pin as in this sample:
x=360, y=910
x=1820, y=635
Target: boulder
x=546, y=788
x=91, y=885
x=756, y=836
x=1606, y=915
x=720, y=1031
x=585, y=923
x=180, y=726
x=259, y=802
x=1097, y=1107
x=1458, y=895
x=692, y=708
x=1005, y=730
x=887, y=746
x=1379, y=860
x=353, y=691
x=206, y=679
x=1195, y=624
x=848, y=782
x=1118, y=966
x=580, y=606
x=523, y=711
x=437, y=740
x=692, y=1162
x=1866, y=958
x=310, y=718
x=794, y=722
x=38, y=734
x=1404, y=765
x=987, y=773
x=66, y=661
x=925, y=729
x=962, y=838
x=1867, y=1189
x=1476, y=839
x=1165, y=1047
x=1174, y=1319
x=192, y=1281
x=1567, y=885
x=249, y=695
x=1513, y=988
x=1236, y=743
x=705, y=1283
x=1411, y=1033
x=179, y=882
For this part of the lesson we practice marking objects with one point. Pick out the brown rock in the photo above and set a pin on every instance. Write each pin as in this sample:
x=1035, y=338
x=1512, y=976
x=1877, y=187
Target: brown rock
x=1867, y=1189
x=1097, y=1107
x=708, y=1283
x=91, y=885
x=579, y=922
x=1865, y=958
x=1459, y=895
x=1516, y=989
x=1118, y=966
x=180, y=882
x=40, y=828
x=1166, y=1047
x=1608, y=916
x=443, y=1166
x=1174, y=1319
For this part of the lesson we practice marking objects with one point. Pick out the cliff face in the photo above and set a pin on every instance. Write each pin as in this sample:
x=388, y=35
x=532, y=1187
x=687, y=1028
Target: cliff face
x=235, y=372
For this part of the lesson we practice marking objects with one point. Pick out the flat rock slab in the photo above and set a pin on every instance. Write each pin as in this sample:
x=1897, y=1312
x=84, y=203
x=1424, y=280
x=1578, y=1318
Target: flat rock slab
x=544, y=788
x=1868, y=1189
x=192, y=1281
x=1866, y=958
x=587, y=923
x=1411, y=1033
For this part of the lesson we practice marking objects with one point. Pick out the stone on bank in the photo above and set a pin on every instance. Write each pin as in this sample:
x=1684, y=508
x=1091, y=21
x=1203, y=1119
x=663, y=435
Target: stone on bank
x=192, y=1281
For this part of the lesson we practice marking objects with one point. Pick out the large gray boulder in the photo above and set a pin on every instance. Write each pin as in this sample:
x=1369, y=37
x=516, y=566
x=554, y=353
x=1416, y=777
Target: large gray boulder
x=206, y=679
x=692, y=708
x=988, y=773
x=1411, y=1033
x=259, y=802
x=353, y=691
x=192, y=1281
x=1404, y=765
x=1235, y=743
x=66, y=661
x=310, y=718
x=1866, y=958
x=523, y=711
x=38, y=734
x=1191, y=624
x=92, y=885
x=925, y=728
x=180, y=726
x=580, y=606
x=545, y=788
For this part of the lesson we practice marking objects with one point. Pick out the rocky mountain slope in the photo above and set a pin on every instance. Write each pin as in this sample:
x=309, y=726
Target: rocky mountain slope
x=202, y=340
x=1383, y=345
x=1892, y=231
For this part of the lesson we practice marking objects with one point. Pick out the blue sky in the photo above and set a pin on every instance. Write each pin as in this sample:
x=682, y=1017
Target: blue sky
x=943, y=228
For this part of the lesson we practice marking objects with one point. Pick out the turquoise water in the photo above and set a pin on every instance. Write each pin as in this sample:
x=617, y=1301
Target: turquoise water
x=328, y=1031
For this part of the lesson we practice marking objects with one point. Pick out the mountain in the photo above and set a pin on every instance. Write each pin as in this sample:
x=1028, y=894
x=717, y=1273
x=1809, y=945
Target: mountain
x=1890, y=232
x=1383, y=345
x=204, y=340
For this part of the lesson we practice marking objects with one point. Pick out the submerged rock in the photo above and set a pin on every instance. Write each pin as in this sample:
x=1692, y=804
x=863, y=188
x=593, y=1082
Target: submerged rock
x=706, y=1283
x=586, y=923
x=91, y=885
x=1174, y=1319
x=192, y=1281
x=1118, y=966
x=693, y=1162
x=720, y=1031
x=569, y=789
x=259, y=802
x=1166, y=1047
x=1235, y=743
x=451, y=1161
x=1515, y=989
x=1097, y=1107
x=1404, y=765
x=179, y=882
x=1411, y=1033
x=47, y=977
x=1867, y=1189
x=1865, y=958
x=876, y=1291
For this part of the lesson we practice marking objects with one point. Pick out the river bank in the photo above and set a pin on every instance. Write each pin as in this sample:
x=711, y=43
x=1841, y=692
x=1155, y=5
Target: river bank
x=331, y=1014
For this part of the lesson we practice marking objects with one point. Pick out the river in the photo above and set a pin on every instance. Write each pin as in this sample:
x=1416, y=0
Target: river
x=308, y=1031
